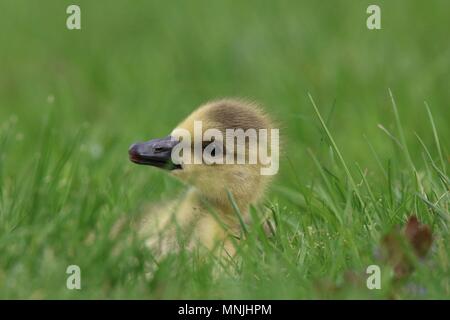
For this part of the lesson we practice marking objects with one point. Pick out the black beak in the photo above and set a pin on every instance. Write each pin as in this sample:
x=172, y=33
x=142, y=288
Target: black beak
x=156, y=153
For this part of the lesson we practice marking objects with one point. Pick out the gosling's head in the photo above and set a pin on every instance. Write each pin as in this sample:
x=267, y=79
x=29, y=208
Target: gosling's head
x=224, y=145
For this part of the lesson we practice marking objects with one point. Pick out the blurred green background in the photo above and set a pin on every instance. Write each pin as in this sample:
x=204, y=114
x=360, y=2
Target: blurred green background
x=136, y=68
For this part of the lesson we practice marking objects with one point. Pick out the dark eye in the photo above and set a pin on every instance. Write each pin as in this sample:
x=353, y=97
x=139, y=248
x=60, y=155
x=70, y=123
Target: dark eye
x=208, y=143
x=205, y=144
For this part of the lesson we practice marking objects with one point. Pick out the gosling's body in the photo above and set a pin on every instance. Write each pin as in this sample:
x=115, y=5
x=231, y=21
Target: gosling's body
x=204, y=213
x=191, y=215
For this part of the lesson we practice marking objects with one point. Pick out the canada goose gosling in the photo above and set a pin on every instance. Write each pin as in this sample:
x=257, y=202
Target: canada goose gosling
x=206, y=206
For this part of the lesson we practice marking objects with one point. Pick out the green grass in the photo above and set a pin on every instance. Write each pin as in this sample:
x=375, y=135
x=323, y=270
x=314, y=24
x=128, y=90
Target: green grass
x=71, y=102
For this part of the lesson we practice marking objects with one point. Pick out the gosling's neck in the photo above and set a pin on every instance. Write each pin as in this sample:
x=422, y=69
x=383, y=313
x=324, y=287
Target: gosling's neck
x=223, y=206
x=219, y=204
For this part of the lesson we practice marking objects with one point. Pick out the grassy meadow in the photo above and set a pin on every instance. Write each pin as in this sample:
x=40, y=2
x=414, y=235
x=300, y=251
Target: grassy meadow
x=361, y=150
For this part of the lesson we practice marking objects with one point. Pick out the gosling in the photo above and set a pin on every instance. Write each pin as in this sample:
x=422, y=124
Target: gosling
x=207, y=212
